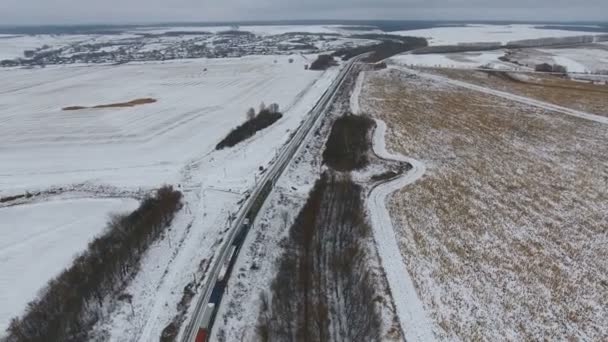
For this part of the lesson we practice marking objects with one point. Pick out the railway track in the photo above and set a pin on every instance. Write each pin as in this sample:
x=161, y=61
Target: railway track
x=201, y=323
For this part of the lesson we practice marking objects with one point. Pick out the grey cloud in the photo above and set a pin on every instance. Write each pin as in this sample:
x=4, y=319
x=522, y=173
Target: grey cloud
x=117, y=11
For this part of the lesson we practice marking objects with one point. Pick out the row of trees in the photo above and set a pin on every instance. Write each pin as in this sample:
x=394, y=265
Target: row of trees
x=389, y=47
x=546, y=67
x=322, y=62
x=72, y=302
x=255, y=122
x=348, y=145
x=323, y=290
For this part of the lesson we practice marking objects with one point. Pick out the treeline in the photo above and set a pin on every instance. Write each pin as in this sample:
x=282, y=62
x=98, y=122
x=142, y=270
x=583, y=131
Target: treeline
x=73, y=302
x=348, y=145
x=546, y=67
x=458, y=48
x=387, y=48
x=322, y=62
x=323, y=290
x=255, y=122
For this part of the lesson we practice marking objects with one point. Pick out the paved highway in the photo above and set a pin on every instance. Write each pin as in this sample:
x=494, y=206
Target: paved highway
x=209, y=298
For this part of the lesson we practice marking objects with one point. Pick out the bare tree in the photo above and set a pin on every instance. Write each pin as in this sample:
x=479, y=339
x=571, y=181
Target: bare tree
x=262, y=107
x=250, y=113
x=285, y=218
x=273, y=108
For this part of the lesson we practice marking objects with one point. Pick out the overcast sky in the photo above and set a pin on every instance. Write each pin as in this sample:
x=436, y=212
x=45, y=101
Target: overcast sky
x=141, y=11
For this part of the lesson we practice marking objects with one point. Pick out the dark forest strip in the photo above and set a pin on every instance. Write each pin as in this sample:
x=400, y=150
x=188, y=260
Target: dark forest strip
x=245, y=131
x=323, y=290
x=348, y=146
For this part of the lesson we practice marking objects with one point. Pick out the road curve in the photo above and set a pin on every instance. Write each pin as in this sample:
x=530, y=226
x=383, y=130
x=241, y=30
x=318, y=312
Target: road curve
x=414, y=320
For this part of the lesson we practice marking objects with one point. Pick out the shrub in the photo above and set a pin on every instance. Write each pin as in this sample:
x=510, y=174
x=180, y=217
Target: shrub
x=545, y=67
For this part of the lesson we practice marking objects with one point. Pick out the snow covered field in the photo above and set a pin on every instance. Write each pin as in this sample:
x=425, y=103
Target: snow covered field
x=504, y=234
x=468, y=60
x=486, y=34
x=143, y=146
x=39, y=240
x=262, y=29
x=170, y=141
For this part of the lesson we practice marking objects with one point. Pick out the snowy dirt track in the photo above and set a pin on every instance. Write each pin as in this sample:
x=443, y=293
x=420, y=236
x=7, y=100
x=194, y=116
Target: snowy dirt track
x=414, y=320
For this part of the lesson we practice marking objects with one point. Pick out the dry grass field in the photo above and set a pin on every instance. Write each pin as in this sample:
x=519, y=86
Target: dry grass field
x=506, y=235
x=582, y=96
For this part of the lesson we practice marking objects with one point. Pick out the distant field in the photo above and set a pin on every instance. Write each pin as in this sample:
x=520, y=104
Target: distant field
x=553, y=89
x=505, y=235
x=41, y=145
x=39, y=240
x=121, y=147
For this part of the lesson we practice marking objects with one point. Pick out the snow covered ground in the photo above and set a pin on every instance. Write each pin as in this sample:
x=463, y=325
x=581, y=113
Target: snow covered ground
x=486, y=33
x=262, y=29
x=581, y=60
x=13, y=46
x=414, y=319
x=470, y=60
x=131, y=147
x=171, y=141
x=39, y=240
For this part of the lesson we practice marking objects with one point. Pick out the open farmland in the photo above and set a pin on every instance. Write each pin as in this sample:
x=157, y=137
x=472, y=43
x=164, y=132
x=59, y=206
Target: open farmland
x=38, y=248
x=505, y=235
x=557, y=90
x=41, y=145
x=115, y=151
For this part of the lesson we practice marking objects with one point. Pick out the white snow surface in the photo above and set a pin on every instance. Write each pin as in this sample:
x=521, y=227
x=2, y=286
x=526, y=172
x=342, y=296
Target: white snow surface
x=581, y=60
x=171, y=141
x=214, y=183
x=39, y=240
x=468, y=60
x=355, y=106
x=142, y=146
x=13, y=46
x=486, y=33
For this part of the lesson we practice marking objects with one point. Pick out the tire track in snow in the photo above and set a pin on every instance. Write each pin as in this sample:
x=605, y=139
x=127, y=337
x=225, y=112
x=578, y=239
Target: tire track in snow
x=415, y=323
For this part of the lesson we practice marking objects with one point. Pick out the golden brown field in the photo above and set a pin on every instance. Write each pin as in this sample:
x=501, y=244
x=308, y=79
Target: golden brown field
x=506, y=236
x=587, y=97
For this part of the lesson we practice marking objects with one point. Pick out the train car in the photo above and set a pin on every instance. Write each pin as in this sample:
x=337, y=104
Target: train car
x=226, y=265
x=203, y=331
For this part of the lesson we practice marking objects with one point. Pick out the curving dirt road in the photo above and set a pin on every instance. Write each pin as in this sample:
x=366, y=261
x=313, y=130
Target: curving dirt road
x=414, y=320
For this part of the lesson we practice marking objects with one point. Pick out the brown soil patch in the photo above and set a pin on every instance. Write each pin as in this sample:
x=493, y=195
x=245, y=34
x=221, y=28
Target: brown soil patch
x=132, y=103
